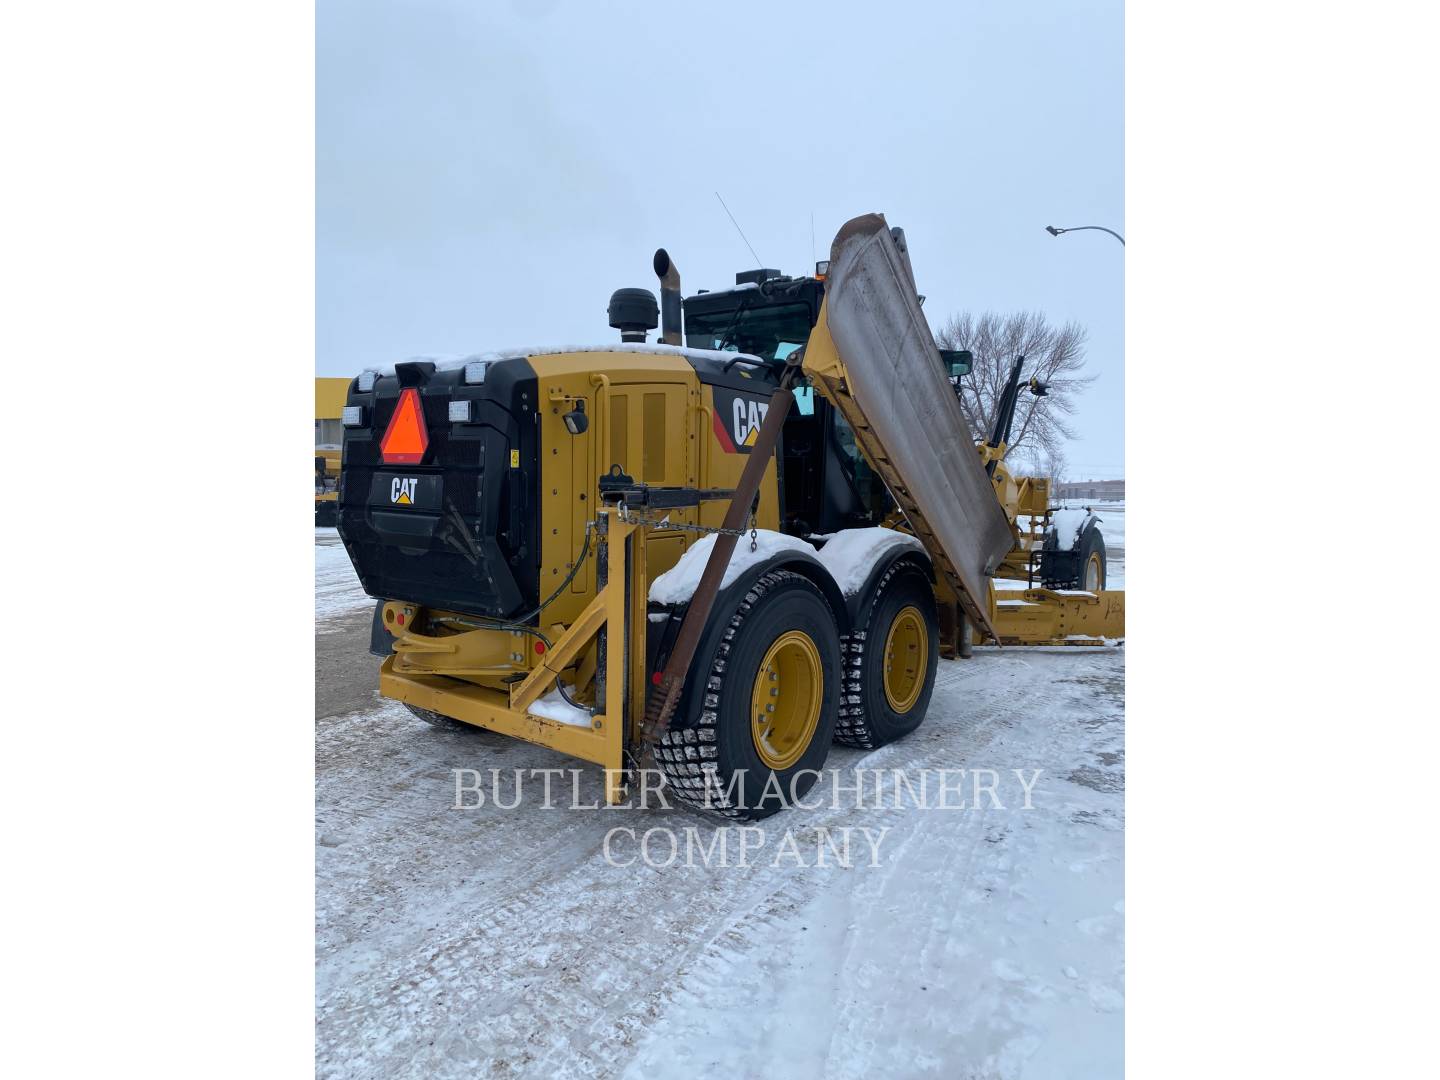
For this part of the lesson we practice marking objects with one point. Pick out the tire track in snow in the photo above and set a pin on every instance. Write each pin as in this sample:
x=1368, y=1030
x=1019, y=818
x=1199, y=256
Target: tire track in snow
x=982, y=972
x=546, y=969
x=717, y=988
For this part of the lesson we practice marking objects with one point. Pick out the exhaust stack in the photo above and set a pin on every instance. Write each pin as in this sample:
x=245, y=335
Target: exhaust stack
x=669, y=299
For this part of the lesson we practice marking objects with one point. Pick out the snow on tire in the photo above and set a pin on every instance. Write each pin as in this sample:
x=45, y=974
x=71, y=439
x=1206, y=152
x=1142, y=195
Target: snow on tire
x=887, y=691
x=761, y=724
x=1082, y=565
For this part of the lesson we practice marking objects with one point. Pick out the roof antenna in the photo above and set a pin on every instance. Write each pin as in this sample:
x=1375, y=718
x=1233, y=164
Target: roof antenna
x=812, y=236
x=738, y=229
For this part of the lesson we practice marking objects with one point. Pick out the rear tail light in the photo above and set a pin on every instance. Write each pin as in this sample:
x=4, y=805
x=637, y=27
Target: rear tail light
x=353, y=416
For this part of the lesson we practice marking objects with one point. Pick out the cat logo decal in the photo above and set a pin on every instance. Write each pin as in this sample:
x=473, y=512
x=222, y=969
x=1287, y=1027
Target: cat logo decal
x=738, y=420
x=748, y=416
x=402, y=490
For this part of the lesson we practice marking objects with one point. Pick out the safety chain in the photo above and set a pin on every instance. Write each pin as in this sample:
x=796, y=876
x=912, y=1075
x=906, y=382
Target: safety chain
x=631, y=518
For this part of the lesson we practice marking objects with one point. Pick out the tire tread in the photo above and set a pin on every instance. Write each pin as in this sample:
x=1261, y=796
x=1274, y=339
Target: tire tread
x=689, y=757
x=853, y=726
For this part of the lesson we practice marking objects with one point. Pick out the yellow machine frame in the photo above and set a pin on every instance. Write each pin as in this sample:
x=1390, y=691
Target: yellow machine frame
x=617, y=615
x=1057, y=617
x=618, y=612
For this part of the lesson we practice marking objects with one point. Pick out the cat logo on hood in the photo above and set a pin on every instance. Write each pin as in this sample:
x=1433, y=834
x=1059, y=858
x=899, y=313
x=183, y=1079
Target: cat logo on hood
x=737, y=422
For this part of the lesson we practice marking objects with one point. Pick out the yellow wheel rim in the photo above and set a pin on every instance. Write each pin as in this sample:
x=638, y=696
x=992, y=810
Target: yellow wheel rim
x=785, y=705
x=907, y=652
x=1092, y=573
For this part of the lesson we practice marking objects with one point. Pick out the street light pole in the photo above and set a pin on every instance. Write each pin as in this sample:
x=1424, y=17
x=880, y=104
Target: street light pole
x=1053, y=231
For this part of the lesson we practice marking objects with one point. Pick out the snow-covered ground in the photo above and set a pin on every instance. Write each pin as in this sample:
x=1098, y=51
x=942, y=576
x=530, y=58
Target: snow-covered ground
x=337, y=591
x=501, y=942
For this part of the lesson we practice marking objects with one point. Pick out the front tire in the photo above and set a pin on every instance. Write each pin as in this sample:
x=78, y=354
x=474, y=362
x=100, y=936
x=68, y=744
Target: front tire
x=1091, y=559
x=890, y=660
x=762, y=720
x=1082, y=567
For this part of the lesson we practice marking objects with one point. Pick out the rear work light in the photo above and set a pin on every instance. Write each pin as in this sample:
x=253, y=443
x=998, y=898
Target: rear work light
x=475, y=371
x=353, y=416
x=365, y=381
x=405, y=439
x=460, y=412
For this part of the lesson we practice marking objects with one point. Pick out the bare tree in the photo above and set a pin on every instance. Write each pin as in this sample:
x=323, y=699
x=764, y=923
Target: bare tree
x=1053, y=354
x=1054, y=466
x=1034, y=461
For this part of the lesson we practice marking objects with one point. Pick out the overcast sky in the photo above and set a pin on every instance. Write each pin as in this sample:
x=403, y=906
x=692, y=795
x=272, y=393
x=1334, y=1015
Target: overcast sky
x=489, y=172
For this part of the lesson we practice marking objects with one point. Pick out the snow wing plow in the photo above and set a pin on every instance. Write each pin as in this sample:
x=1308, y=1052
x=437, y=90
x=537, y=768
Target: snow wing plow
x=871, y=354
x=683, y=553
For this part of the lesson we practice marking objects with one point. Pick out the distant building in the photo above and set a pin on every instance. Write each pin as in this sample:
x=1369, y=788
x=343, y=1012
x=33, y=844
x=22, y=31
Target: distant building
x=1091, y=490
x=329, y=400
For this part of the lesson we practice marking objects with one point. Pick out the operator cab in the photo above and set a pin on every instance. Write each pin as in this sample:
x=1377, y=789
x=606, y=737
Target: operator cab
x=765, y=314
x=827, y=484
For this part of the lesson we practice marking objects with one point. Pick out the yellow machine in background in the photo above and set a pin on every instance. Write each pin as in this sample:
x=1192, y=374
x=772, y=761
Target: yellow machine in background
x=329, y=404
x=516, y=516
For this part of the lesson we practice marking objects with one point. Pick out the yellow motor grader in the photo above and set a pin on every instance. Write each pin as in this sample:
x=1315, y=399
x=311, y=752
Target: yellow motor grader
x=330, y=395
x=678, y=550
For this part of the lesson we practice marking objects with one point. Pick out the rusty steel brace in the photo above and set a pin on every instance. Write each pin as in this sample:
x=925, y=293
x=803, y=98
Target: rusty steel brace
x=660, y=706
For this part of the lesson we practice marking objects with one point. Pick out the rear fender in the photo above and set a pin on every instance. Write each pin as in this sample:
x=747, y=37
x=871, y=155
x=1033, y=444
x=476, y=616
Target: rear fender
x=858, y=603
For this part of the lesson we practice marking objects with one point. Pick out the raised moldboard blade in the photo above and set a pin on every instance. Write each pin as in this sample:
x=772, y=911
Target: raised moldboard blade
x=873, y=355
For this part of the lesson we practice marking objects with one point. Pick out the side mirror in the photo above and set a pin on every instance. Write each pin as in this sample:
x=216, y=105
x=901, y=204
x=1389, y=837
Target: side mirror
x=959, y=361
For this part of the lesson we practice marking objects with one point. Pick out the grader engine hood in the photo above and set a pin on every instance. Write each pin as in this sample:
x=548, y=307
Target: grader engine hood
x=872, y=354
x=438, y=501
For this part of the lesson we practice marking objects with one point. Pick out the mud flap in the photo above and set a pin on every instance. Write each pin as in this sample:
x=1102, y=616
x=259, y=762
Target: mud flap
x=381, y=641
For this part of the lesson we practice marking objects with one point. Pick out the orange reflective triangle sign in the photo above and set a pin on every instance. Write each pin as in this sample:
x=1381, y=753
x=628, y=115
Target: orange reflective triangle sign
x=405, y=440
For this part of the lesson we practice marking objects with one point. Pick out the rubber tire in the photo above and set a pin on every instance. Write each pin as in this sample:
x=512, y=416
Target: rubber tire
x=1087, y=542
x=716, y=743
x=439, y=720
x=866, y=719
x=1090, y=541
